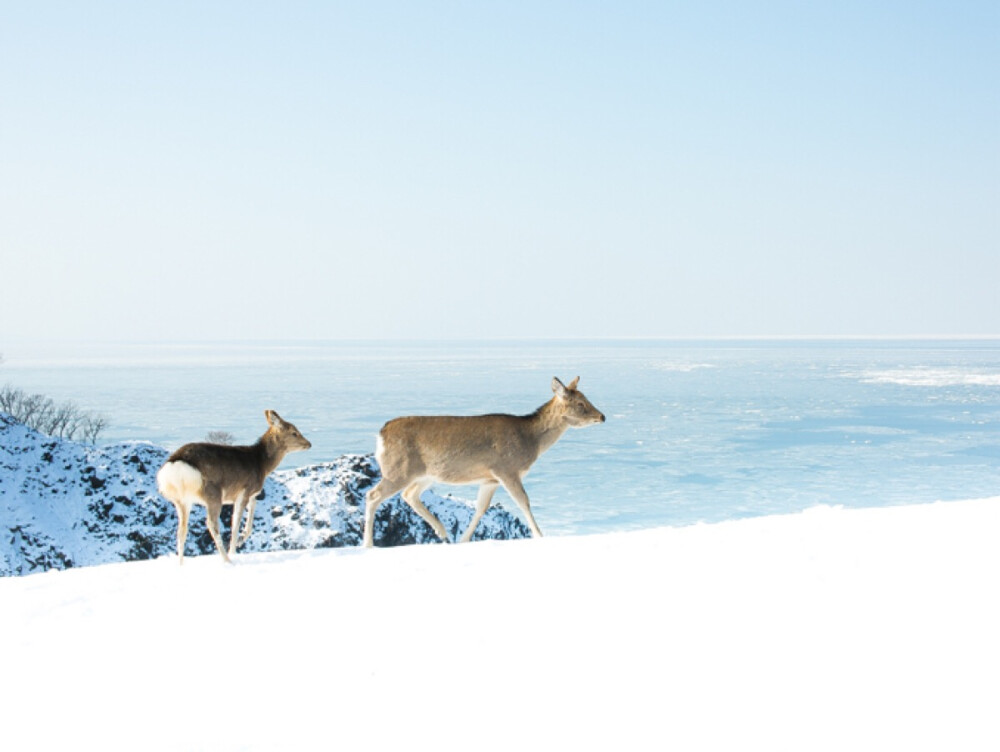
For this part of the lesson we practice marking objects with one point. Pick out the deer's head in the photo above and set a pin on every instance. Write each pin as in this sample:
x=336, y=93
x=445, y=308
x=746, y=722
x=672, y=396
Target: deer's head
x=284, y=434
x=576, y=408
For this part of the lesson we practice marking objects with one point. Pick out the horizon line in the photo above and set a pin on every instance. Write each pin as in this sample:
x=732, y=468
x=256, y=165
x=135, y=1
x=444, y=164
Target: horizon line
x=506, y=339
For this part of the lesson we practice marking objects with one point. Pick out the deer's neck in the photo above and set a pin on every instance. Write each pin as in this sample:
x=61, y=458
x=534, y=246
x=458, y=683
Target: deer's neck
x=271, y=453
x=547, y=424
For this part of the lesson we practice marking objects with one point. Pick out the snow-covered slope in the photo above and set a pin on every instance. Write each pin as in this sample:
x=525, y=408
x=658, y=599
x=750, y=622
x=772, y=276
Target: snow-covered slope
x=834, y=630
x=65, y=504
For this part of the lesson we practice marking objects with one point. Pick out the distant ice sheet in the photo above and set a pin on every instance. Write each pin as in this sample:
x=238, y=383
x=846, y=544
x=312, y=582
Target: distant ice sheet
x=935, y=377
x=775, y=426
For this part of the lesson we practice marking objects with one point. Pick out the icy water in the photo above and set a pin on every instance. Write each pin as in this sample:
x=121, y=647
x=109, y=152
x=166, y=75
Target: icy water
x=696, y=431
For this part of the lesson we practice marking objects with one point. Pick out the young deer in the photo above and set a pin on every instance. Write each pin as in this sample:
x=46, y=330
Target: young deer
x=491, y=450
x=217, y=474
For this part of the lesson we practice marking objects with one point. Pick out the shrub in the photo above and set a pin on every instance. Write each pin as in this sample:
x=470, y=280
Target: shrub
x=63, y=421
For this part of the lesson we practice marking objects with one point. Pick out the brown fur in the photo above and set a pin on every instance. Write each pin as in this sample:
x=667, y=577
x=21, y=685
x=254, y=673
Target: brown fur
x=489, y=450
x=217, y=474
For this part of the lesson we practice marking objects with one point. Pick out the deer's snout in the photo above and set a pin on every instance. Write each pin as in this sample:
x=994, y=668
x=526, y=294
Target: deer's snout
x=603, y=418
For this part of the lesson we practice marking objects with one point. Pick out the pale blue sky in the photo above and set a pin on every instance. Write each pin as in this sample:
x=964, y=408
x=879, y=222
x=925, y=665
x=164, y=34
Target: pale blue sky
x=179, y=171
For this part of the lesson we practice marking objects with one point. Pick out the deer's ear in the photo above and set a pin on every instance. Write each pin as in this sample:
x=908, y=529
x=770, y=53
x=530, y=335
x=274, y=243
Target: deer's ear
x=573, y=383
x=558, y=387
x=273, y=418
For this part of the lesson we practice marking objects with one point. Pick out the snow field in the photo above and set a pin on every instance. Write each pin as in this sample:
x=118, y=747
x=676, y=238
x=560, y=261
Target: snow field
x=832, y=629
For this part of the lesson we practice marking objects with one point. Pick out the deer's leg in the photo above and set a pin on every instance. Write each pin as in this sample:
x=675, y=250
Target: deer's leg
x=234, y=528
x=412, y=497
x=248, y=525
x=182, y=528
x=213, y=508
x=516, y=490
x=382, y=491
x=486, y=492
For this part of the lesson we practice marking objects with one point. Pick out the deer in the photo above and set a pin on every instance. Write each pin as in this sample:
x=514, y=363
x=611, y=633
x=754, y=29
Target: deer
x=214, y=475
x=489, y=450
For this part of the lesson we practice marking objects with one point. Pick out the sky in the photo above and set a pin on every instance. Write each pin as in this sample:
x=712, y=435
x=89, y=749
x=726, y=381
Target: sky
x=180, y=171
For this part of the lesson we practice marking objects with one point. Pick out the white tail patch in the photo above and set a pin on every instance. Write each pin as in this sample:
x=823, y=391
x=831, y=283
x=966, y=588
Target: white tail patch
x=178, y=481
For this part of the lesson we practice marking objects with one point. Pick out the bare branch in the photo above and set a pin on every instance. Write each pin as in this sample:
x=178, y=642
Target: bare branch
x=40, y=413
x=92, y=427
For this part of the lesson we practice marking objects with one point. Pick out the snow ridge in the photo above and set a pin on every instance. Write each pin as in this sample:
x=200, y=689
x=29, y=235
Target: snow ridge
x=65, y=504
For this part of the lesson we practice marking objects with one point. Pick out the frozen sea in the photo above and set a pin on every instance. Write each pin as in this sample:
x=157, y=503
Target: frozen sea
x=696, y=430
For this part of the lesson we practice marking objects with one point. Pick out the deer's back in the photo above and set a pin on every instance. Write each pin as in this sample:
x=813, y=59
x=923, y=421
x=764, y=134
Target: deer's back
x=231, y=467
x=455, y=449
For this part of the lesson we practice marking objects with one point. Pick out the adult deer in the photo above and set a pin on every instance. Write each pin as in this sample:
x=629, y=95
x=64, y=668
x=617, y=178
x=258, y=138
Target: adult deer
x=217, y=474
x=490, y=450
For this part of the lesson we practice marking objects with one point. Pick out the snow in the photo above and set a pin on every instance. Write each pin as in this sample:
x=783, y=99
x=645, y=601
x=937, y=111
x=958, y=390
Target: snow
x=828, y=630
x=933, y=377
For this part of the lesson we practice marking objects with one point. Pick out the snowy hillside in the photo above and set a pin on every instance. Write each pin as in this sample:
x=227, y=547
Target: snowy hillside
x=65, y=504
x=834, y=630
